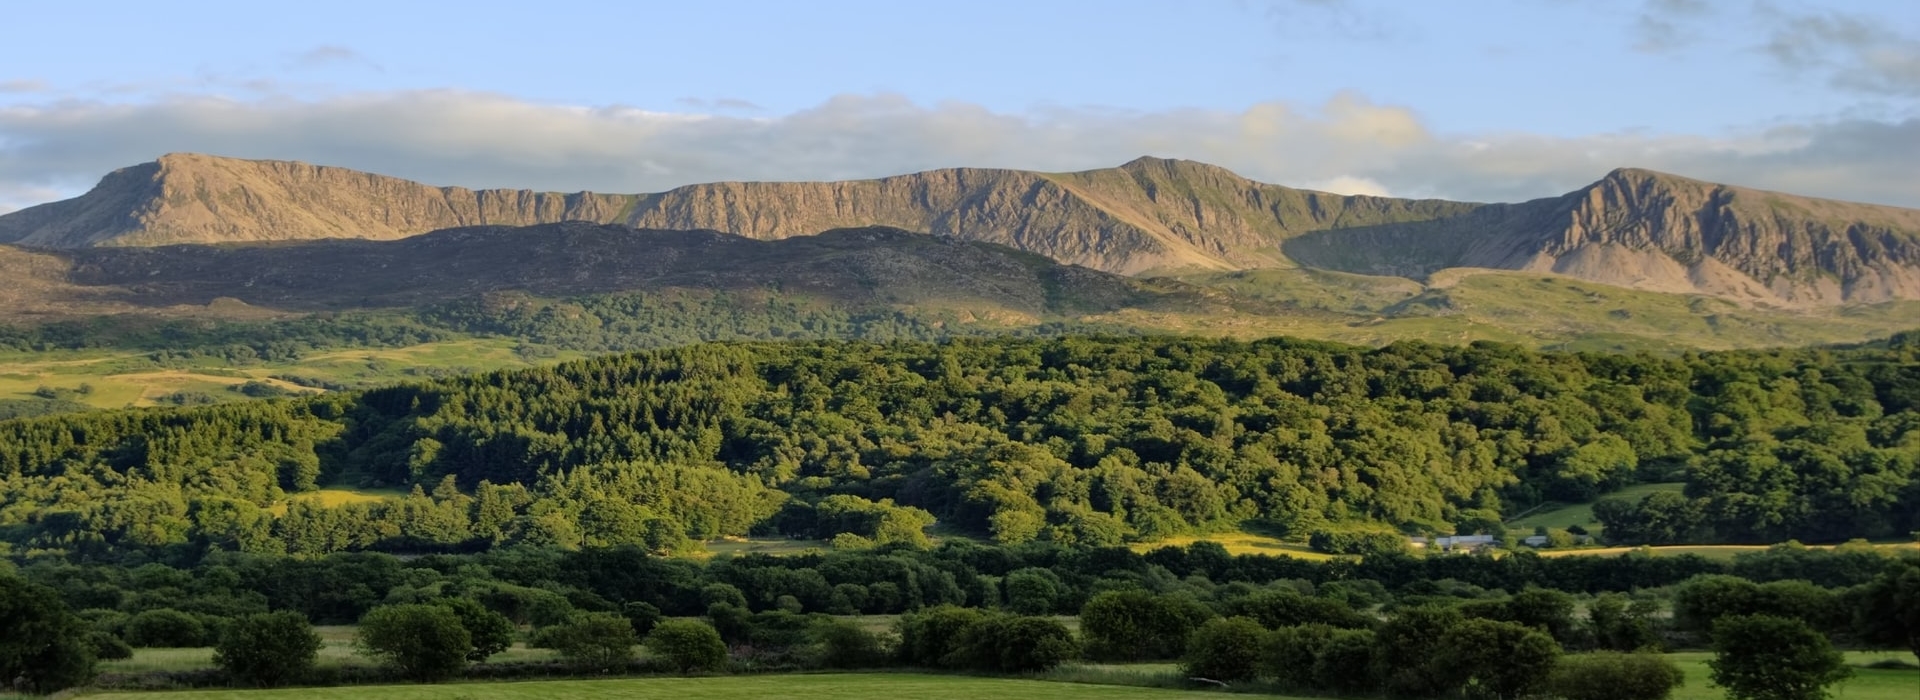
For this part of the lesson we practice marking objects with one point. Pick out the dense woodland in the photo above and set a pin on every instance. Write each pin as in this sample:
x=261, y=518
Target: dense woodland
x=1077, y=441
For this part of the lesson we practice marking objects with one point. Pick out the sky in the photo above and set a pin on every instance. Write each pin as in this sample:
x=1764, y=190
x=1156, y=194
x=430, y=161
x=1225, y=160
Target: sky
x=1485, y=100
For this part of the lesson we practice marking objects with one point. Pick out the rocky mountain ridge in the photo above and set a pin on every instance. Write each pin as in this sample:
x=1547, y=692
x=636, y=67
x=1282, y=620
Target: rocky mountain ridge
x=1633, y=228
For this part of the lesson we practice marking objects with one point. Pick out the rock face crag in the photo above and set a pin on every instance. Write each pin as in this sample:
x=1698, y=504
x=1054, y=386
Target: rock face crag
x=1659, y=232
x=1150, y=214
x=1633, y=228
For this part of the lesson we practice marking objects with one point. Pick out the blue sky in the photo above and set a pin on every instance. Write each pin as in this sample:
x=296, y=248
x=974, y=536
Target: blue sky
x=1488, y=100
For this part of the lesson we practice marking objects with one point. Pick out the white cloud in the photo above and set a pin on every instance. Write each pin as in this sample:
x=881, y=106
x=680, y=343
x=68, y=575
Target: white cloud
x=1346, y=184
x=487, y=140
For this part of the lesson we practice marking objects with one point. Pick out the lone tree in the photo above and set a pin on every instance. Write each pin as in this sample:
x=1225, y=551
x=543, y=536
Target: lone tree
x=689, y=645
x=1762, y=657
x=43, y=646
x=425, y=642
x=268, y=649
x=598, y=642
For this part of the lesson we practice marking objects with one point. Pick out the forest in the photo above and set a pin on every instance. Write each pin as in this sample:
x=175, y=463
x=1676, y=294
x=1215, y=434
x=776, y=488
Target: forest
x=1079, y=441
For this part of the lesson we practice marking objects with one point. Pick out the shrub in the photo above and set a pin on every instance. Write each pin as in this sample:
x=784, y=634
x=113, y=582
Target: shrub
x=1137, y=625
x=489, y=632
x=1762, y=657
x=107, y=647
x=596, y=641
x=422, y=642
x=844, y=644
x=1345, y=663
x=1612, y=675
x=165, y=627
x=1224, y=649
x=268, y=649
x=1500, y=659
x=688, y=645
x=931, y=636
x=1013, y=644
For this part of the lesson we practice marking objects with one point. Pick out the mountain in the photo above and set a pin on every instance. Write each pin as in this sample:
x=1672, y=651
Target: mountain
x=1146, y=215
x=1657, y=232
x=1633, y=228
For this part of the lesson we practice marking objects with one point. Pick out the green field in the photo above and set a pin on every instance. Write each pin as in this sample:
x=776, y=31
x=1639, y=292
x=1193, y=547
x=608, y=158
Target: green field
x=1237, y=543
x=1867, y=683
x=822, y=686
x=1563, y=516
x=336, y=651
x=122, y=378
x=1072, y=681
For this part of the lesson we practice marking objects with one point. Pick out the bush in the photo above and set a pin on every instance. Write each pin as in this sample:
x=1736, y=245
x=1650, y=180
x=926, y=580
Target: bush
x=1034, y=591
x=1611, y=675
x=489, y=632
x=1013, y=644
x=1500, y=659
x=599, y=642
x=1224, y=649
x=107, y=647
x=165, y=627
x=642, y=616
x=268, y=649
x=422, y=642
x=844, y=644
x=931, y=636
x=1762, y=657
x=688, y=645
x=1137, y=625
x=1345, y=663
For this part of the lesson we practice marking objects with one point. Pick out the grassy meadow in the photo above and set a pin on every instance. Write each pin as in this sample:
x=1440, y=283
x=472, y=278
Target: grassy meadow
x=797, y=687
x=1145, y=681
x=124, y=378
x=1565, y=515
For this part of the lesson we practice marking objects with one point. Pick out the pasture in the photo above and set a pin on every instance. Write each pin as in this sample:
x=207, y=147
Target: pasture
x=797, y=687
x=1565, y=515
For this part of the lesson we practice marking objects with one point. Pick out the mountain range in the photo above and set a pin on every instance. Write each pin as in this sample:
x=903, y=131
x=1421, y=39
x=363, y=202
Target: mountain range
x=1633, y=228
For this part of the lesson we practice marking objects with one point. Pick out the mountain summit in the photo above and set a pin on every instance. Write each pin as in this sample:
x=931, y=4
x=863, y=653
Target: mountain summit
x=1633, y=228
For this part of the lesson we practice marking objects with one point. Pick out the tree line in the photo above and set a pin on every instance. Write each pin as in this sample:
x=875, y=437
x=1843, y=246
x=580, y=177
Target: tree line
x=1406, y=626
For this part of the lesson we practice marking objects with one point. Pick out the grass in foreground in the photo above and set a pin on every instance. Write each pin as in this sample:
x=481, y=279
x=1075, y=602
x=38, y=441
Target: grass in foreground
x=798, y=687
x=1867, y=683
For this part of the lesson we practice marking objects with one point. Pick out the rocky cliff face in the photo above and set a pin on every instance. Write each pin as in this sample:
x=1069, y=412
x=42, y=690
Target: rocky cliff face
x=1648, y=230
x=1633, y=228
x=1146, y=215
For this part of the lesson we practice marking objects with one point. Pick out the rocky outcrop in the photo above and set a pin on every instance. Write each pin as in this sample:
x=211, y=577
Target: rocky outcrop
x=1659, y=232
x=1150, y=214
x=1633, y=228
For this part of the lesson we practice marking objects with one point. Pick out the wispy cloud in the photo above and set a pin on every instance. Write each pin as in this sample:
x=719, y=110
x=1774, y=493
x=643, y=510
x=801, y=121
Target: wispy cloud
x=1348, y=143
x=1852, y=51
x=730, y=104
x=24, y=86
x=331, y=55
x=1667, y=25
